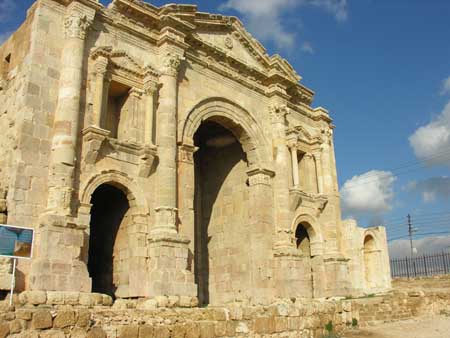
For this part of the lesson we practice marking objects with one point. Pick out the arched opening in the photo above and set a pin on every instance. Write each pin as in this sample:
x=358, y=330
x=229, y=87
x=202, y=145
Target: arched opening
x=304, y=246
x=370, y=257
x=108, y=242
x=221, y=212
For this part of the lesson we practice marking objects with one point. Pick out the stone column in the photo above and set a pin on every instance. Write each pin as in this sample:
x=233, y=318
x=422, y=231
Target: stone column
x=319, y=171
x=101, y=90
x=260, y=224
x=168, y=266
x=64, y=142
x=150, y=93
x=166, y=198
x=294, y=166
x=58, y=263
x=310, y=174
x=283, y=241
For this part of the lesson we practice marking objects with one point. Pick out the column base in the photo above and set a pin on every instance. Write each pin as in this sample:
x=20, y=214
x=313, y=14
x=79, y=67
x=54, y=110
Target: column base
x=169, y=265
x=337, y=277
x=58, y=265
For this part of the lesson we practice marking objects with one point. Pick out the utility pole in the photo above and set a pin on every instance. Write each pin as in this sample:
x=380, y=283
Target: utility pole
x=410, y=233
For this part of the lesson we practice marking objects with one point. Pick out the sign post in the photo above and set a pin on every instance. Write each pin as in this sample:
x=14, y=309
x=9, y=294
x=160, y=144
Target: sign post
x=15, y=242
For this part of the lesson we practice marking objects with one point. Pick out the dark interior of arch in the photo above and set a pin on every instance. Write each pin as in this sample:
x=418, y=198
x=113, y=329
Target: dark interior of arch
x=109, y=206
x=303, y=241
x=220, y=213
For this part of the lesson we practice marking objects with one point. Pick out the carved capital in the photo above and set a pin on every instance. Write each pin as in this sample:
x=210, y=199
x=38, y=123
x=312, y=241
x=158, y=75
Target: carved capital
x=278, y=113
x=165, y=220
x=260, y=176
x=186, y=153
x=135, y=93
x=101, y=66
x=150, y=88
x=171, y=64
x=76, y=25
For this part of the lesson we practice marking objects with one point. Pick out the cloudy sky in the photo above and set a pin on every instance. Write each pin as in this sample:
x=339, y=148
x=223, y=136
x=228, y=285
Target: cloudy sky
x=382, y=68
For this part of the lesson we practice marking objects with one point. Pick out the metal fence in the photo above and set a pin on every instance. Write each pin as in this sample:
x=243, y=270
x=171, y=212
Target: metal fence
x=425, y=265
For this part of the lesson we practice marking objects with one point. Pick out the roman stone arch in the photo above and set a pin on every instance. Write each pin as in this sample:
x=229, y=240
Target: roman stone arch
x=312, y=227
x=121, y=181
x=370, y=259
x=227, y=181
x=234, y=118
x=116, y=209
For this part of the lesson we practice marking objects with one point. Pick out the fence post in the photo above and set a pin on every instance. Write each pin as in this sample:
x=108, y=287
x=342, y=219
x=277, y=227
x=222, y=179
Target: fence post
x=444, y=260
x=407, y=267
x=425, y=265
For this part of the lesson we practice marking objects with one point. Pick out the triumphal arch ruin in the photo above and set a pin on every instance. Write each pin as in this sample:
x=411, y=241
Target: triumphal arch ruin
x=161, y=151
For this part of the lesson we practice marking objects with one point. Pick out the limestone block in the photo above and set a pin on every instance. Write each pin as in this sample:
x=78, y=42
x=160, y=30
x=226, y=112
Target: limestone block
x=96, y=332
x=83, y=318
x=24, y=314
x=162, y=301
x=4, y=330
x=17, y=325
x=33, y=297
x=242, y=327
x=71, y=298
x=42, y=319
x=107, y=300
x=129, y=331
x=207, y=330
x=52, y=334
x=193, y=330
x=64, y=319
x=146, y=331
x=55, y=298
x=148, y=304
x=161, y=332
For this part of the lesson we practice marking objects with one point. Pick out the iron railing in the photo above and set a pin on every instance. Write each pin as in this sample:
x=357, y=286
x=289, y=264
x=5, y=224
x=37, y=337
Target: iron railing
x=421, y=266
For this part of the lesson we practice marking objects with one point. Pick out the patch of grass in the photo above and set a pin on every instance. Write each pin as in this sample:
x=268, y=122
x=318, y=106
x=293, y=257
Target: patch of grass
x=330, y=331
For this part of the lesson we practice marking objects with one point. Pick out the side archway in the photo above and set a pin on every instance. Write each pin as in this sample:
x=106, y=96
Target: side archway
x=110, y=201
x=370, y=259
x=312, y=229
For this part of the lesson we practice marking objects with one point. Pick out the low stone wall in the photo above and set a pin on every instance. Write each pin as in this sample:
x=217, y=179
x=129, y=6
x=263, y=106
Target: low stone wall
x=425, y=283
x=94, y=316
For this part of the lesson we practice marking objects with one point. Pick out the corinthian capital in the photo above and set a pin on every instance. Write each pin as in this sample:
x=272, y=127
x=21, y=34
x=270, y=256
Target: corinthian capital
x=278, y=113
x=171, y=64
x=76, y=25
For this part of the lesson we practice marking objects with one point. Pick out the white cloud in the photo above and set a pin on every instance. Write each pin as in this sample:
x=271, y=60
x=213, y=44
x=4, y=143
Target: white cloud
x=6, y=9
x=401, y=248
x=432, y=188
x=445, y=86
x=368, y=194
x=307, y=48
x=264, y=17
x=338, y=8
x=432, y=141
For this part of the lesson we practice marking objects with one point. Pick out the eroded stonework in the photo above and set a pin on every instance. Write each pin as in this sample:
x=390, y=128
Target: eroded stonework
x=162, y=152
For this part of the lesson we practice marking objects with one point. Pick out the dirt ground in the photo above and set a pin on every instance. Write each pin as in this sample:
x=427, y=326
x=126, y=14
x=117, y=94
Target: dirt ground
x=436, y=327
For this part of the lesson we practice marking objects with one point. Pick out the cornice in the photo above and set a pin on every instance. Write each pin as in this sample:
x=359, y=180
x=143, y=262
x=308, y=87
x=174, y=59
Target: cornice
x=94, y=4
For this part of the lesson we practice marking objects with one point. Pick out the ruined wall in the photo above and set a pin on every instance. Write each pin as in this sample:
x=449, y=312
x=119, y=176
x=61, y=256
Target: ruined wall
x=91, y=315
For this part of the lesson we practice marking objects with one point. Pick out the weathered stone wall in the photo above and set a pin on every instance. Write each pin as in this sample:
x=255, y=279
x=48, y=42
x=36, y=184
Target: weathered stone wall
x=55, y=314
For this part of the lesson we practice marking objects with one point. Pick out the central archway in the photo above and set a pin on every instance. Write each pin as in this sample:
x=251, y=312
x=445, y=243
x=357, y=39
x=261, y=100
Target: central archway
x=221, y=213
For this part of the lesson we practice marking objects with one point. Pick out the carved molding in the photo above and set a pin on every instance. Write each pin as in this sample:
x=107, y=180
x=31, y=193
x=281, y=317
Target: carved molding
x=93, y=138
x=147, y=160
x=299, y=197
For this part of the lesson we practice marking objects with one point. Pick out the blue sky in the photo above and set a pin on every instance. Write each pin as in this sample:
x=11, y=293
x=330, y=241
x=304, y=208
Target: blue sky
x=380, y=67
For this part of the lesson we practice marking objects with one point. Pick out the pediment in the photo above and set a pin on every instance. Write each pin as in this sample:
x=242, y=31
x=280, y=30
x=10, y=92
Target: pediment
x=231, y=44
x=120, y=59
